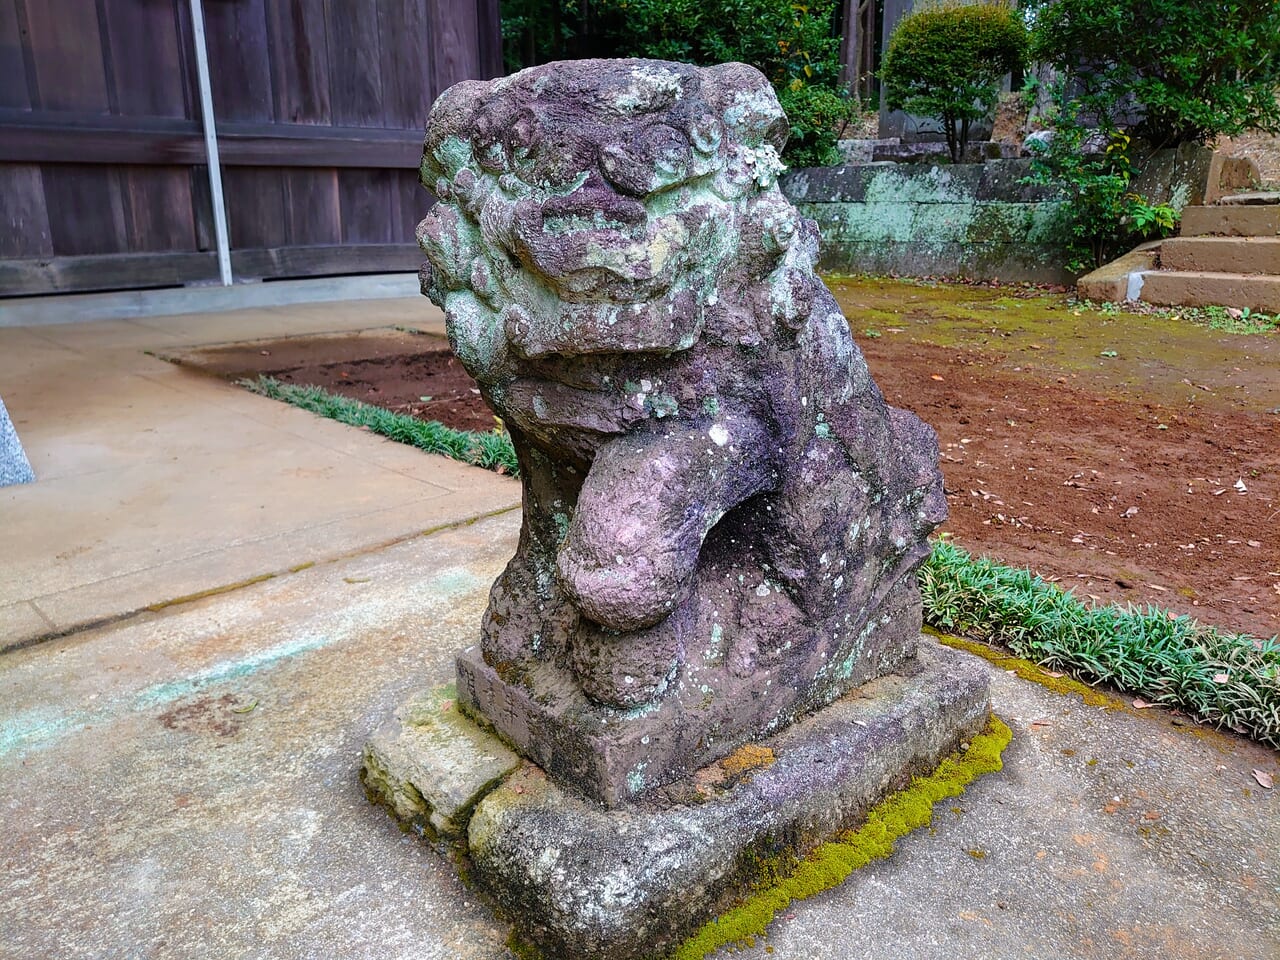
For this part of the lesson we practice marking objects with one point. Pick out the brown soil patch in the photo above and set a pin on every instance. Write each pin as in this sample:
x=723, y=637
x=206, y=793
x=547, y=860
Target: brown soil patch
x=1101, y=451
x=1085, y=488
x=410, y=373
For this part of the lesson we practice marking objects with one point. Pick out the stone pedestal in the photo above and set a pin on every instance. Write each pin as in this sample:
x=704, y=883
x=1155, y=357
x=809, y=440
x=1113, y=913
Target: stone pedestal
x=581, y=882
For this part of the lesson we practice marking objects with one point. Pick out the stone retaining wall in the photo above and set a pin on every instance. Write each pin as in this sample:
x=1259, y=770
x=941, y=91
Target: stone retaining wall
x=977, y=221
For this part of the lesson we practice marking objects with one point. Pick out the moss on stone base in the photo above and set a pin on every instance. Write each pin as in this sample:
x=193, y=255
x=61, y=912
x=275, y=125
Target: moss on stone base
x=832, y=862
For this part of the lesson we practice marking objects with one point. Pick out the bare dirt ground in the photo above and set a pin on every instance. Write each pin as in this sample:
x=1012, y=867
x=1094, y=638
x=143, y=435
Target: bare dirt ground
x=1131, y=458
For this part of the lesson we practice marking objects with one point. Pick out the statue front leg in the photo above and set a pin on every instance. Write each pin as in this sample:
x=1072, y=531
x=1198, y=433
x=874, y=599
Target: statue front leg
x=632, y=548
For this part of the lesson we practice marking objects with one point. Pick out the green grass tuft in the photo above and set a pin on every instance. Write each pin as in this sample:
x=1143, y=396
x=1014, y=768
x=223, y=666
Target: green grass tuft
x=1226, y=679
x=493, y=451
x=831, y=863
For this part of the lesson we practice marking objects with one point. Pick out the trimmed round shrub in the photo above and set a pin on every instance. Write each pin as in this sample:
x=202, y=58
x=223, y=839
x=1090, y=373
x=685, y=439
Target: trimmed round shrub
x=946, y=61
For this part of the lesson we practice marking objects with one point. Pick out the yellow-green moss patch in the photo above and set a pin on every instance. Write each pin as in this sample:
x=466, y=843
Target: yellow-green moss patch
x=1027, y=670
x=832, y=862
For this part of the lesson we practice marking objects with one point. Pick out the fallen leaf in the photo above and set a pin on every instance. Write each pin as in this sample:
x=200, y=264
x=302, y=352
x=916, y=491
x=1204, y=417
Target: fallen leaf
x=1265, y=780
x=249, y=707
x=1140, y=704
x=934, y=376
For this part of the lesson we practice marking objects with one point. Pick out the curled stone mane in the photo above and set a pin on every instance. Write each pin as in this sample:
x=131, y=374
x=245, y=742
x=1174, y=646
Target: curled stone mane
x=722, y=517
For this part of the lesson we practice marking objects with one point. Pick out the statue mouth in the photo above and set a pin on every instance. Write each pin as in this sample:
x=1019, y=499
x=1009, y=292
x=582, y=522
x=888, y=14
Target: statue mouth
x=595, y=244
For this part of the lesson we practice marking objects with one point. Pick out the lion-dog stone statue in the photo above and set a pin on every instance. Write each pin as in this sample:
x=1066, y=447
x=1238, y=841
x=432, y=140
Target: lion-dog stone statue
x=722, y=516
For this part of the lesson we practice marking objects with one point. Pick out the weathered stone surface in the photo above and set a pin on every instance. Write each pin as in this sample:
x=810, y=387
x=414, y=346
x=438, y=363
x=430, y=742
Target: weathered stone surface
x=431, y=765
x=14, y=466
x=722, y=517
x=586, y=883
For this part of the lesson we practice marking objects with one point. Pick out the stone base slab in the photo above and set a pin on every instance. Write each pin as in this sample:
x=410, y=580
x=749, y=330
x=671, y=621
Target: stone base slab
x=429, y=764
x=581, y=882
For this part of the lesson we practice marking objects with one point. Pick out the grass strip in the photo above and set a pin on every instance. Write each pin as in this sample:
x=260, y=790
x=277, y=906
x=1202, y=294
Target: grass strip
x=831, y=863
x=492, y=450
x=1225, y=679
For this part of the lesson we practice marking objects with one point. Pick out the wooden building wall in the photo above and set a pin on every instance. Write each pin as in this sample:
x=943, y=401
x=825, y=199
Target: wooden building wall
x=320, y=106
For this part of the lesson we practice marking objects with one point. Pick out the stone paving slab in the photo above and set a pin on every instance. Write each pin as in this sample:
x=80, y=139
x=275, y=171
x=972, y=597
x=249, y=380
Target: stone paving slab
x=183, y=784
x=156, y=482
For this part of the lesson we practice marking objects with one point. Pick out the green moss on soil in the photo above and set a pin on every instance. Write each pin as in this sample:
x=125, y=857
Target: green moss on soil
x=1043, y=333
x=831, y=863
x=1027, y=670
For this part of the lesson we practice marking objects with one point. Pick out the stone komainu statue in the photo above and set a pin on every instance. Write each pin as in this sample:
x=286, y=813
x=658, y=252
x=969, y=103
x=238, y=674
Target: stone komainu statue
x=722, y=517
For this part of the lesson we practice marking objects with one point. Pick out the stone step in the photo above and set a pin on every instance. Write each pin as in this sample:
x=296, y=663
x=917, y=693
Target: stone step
x=1222, y=254
x=1232, y=221
x=1201, y=288
x=1252, y=198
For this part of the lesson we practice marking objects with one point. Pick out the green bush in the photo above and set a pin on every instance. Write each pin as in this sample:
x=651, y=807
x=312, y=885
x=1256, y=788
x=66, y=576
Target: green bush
x=1188, y=69
x=1102, y=217
x=791, y=43
x=946, y=61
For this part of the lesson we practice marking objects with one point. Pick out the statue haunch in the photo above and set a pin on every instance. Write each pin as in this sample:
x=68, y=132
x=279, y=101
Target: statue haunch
x=722, y=517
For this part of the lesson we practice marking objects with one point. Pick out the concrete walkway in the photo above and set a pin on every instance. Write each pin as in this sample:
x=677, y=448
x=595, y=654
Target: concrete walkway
x=180, y=782
x=155, y=483
x=184, y=785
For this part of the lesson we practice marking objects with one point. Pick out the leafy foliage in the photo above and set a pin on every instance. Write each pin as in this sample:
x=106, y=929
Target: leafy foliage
x=1230, y=680
x=1102, y=216
x=1192, y=70
x=493, y=451
x=946, y=61
x=792, y=42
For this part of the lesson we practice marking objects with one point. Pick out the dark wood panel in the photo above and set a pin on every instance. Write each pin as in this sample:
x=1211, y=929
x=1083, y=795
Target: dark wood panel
x=84, y=274
x=409, y=203
x=143, y=46
x=13, y=67
x=407, y=88
x=158, y=211
x=180, y=142
x=299, y=61
x=256, y=214
x=489, y=38
x=322, y=261
x=85, y=208
x=24, y=223
x=453, y=40
x=312, y=211
x=365, y=200
x=132, y=271
x=239, y=60
x=355, y=68
x=65, y=44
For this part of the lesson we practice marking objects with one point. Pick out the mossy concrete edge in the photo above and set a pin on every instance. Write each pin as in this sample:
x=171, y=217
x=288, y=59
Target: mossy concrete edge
x=830, y=864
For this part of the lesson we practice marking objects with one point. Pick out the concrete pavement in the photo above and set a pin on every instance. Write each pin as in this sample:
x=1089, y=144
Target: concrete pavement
x=184, y=785
x=155, y=483
x=180, y=782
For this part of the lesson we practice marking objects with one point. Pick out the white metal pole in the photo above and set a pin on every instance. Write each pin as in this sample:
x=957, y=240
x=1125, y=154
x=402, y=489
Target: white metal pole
x=211, y=143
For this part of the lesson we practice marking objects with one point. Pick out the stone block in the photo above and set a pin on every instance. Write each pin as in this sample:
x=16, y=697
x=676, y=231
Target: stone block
x=584, y=883
x=14, y=465
x=430, y=765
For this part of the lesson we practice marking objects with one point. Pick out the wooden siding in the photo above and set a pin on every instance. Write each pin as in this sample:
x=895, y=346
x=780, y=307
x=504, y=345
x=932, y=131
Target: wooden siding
x=320, y=106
